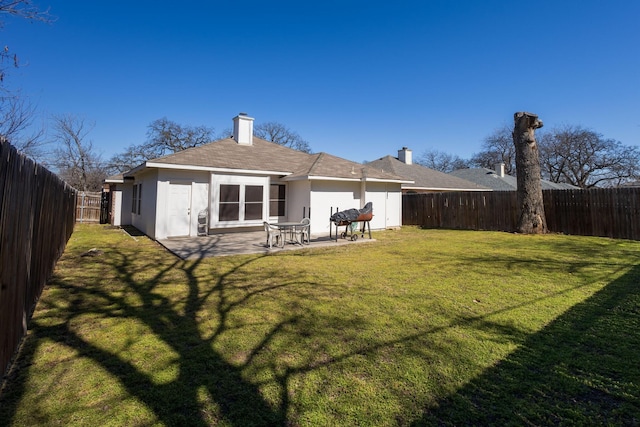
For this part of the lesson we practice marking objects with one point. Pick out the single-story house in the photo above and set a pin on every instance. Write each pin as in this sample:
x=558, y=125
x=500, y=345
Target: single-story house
x=497, y=180
x=425, y=180
x=238, y=182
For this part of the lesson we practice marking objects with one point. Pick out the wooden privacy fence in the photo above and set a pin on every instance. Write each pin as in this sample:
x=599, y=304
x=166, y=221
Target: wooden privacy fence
x=88, y=207
x=606, y=212
x=37, y=214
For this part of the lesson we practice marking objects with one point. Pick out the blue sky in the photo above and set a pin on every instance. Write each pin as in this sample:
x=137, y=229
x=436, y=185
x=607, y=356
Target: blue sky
x=358, y=79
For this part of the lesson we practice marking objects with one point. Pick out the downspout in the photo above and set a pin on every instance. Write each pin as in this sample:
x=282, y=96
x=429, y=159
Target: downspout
x=363, y=189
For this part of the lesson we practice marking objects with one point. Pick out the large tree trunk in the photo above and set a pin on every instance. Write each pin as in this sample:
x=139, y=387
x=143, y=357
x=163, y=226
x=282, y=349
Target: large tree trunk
x=531, y=216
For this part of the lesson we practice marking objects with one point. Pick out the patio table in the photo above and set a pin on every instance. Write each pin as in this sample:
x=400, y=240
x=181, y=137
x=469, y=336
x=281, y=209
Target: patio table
x=291, y=228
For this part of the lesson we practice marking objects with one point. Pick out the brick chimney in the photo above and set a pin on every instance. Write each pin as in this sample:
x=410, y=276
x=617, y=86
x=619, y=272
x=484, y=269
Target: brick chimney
x=405, y=155
x=243, y=129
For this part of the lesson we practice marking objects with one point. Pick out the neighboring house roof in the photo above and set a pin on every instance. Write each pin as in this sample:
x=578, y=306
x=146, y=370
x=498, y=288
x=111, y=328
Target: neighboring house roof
x=115, y=179
x=424, y=178
x=265, y=157
x=489, y=178
x=565, y=186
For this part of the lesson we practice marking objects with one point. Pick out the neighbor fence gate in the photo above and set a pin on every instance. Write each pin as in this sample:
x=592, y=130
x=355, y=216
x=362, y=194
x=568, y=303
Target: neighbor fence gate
x=88, y=207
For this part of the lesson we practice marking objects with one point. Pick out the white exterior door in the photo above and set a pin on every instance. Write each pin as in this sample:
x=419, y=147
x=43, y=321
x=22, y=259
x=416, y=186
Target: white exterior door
x=379, y=199
x=179, y=209
x=394, y=206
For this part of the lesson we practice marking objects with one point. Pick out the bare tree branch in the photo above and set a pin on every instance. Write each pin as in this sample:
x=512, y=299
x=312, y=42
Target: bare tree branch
x=16, y=125
x=22, y=9
x=441, y=161
x=75, y=158
x=586, y=159
x=163, y=137
x=497, y=148
x=280, y=134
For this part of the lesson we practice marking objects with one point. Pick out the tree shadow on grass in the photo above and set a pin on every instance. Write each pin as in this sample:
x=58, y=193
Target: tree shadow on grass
x=203, y=373
x=582, y=369
x=568, y=365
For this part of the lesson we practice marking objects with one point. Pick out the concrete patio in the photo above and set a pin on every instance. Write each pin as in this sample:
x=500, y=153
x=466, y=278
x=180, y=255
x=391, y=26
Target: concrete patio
x=253, y=242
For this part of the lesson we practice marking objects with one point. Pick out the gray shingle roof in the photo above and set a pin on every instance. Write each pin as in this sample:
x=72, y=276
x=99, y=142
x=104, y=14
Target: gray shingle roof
x=327, y=165
x=489, y=178
x=228, y=154
x=424, y=178
x=267, y=156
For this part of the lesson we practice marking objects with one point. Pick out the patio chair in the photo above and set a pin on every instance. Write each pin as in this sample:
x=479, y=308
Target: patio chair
x=305, y=235
x=273, y=233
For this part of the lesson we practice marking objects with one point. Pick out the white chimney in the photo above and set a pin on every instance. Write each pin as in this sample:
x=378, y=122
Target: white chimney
x=243, y=129
x=500, y=169
x=404, y=156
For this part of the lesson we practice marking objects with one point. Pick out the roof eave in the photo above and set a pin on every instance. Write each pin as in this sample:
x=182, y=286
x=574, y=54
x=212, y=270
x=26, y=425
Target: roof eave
x=395, y=181
x=114, y=181
x=337, y=178
x=445, y=188
x=134, y=171
x=215, y=169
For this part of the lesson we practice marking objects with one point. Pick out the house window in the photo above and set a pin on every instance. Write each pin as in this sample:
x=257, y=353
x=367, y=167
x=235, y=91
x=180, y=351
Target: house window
x=277, y=200
x=229, y=203
x=239, y=200
x=136, y=199
x=253, y=201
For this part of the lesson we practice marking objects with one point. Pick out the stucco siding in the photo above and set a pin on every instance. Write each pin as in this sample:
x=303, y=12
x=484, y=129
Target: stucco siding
x=377, y=194
x=118, y=212
x=326, y=197
x=387, y=204
x=298, y=200
x=329, y=196
x=145, y=220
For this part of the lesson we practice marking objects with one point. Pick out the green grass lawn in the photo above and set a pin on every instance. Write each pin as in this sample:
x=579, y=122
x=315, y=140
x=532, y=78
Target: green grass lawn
x=422, y=327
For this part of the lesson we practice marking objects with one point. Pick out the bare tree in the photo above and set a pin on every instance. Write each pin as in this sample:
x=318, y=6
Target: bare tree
x=280, y=134
x=441, y=161
x=497, y=148
x=74, y=157
x=133, y=156
x=16, y=125
x=166, y=137
x=532, y=219
x=586, y=159
x=163, y=137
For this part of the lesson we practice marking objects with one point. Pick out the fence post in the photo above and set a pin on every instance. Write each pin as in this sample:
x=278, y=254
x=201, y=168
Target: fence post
x=81, y=207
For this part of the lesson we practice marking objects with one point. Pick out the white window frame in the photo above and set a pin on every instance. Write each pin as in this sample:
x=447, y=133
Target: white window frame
x=242, y=181
x=136, y=199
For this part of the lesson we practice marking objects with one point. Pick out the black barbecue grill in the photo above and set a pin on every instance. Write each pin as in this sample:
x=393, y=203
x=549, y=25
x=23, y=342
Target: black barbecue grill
x=350, y=219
